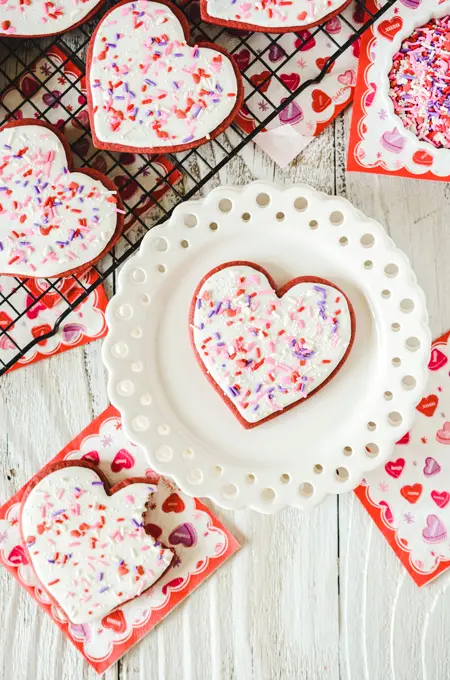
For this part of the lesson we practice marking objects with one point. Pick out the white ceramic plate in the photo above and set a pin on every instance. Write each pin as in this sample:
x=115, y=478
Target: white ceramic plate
x=321, y=446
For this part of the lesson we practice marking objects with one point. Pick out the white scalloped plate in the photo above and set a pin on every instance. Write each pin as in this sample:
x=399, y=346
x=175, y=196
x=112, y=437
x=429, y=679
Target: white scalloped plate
x=322, y=446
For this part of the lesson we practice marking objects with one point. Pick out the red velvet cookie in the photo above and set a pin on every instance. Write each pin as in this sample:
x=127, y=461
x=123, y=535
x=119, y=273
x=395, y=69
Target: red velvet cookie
x=53, y=221
x=149, y=90
x=38, y=18
x=263, y=349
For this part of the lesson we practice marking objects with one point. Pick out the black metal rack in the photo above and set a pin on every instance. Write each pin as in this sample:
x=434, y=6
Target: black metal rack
x=197, y=166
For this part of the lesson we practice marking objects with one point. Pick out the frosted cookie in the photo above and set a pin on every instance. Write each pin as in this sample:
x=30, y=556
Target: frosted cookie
x=86, y=542
x=266, y=350
x=53, y=222
x=271, y=16
x=149, y=90
x=38, y=18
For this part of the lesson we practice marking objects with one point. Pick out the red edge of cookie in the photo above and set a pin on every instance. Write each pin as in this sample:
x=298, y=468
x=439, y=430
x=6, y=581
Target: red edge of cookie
x=109, y=490
x=178, y=147
x=242, y=26
x=88, y=16
x=279, y=293
x=95, y=174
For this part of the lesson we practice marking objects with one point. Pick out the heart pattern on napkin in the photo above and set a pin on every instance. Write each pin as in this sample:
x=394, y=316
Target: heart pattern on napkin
x=52, y=221
x=149, y=90
x=74, y=525
x=265, y=350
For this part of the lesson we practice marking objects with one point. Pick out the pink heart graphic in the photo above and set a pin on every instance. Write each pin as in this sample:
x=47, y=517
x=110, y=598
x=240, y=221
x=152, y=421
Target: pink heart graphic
x=123, y=460
x=394, y=468
x=431, y=468
x=184, y=534
x=72, y=332
x=92, y=457
x=371, y=96
x=333, y=26
x=441, y=498
x=388, y=516
x=17, y=556
x=80, y=631
x=33, y=311
x=435, y=531
x=437, y=360
x=443, y=436
x=291, y=80
x=307, y=38
x=348, y=78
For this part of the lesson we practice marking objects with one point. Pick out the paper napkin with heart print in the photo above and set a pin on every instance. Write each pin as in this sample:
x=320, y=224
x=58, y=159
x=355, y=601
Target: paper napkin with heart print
x=409, y=497
x=201, y=544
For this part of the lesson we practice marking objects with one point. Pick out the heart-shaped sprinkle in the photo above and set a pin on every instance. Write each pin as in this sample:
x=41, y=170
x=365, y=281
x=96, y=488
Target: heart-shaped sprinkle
x=274, y=16
x=87, y=543
x=149, y=90
x=184, y=534
x=27, y=18
x=173, y=503
x=266, y=350
x=443, y=435
x=431, y=467
x=441, y=498
x=435, y=530
x=394, y=468
x=123, y=460
x=52, y=221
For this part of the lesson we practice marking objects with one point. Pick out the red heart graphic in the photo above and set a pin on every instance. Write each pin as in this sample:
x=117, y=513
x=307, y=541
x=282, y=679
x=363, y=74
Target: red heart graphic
x=422, y=157
x=320, y=101
x=154, y=530
x=92, y=457
x=242, y=59
x=394, y=468
x=38, y=331
x=405, y=439
x=127, y=186
x=305, y=41
x=321, y=61
x=291, y=80
x=437, y=360
x=115, y=621
x=387, y=512
x=389, y=28
x=172, y=584
x=173, y=503
x=412, y=493
x=441, y=498
x=5, y=320
x=123, y=460
x=428, y=405
x=261, y=81
x=17, y=556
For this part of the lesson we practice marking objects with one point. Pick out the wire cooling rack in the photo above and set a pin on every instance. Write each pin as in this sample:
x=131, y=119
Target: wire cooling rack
x=150, y=186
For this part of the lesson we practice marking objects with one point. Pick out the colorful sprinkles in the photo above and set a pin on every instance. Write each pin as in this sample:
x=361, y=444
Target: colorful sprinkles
x=42, y=17
x=90, y=550
x=272, y=13
x=149, y=88
x=51, y=220
x=266, y=352
x=420, y=83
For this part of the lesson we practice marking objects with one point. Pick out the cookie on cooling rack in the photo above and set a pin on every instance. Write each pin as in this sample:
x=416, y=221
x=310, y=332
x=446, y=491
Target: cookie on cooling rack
x=263, y=349
x=53, y=222
x=86, y=541
x=39, y=18
x=270, y=16
x=149, y=90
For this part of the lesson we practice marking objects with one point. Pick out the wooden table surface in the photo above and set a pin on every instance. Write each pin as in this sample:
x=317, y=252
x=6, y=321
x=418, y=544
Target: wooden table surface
x=310, y=596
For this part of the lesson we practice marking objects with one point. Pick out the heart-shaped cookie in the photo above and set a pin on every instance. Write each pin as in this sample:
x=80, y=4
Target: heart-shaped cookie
x=53, y=222
x=149, y=90
x=264, y=349
x=271, y=16
x=37, y=18
x=86, y=542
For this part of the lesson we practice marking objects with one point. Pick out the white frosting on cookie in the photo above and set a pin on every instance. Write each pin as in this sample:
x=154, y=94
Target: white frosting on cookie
x=90, y=550
x=266, y=352
x=51, y=220
x=149, y=88
x=42, y=17
x=273, y=13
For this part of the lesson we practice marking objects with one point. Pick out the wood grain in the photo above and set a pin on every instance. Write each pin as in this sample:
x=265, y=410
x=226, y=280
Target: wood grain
x=312, y=596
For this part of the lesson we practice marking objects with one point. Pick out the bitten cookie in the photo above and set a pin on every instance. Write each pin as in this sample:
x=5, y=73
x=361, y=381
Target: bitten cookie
x=53, y=222
x=38, y=18
x=271, y=16
x=149, y=90
x=86, y=541
x=263, y=349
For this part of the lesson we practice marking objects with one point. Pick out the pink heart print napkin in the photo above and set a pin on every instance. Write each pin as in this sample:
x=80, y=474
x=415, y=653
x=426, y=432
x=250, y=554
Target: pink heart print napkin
x=201, y=544
x=409, y=497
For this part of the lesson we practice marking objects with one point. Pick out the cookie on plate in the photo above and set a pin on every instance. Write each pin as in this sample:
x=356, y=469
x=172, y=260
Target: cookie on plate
x=38, y=18
x=53, y=222
x=266, y=349
x=86, y=540
x=151, y=91
x=270, y=16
